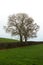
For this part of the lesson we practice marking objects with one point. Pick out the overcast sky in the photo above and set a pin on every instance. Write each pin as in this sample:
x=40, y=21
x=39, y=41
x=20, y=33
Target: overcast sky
x=34, y=8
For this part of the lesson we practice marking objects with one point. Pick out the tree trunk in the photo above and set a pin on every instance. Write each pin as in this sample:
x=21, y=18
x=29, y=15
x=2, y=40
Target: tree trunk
x=20, y=38
x=25, y=40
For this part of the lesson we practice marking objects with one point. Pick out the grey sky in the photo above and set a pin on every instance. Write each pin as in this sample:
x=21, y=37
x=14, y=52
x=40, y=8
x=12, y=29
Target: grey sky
x=34, y=8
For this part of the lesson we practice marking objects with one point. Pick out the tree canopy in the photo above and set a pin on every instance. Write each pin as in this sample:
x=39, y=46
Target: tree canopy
x=23, y=25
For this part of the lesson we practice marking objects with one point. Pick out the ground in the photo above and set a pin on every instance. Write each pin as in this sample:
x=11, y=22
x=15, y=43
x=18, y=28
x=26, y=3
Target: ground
x=6, y=40
x=28, y=55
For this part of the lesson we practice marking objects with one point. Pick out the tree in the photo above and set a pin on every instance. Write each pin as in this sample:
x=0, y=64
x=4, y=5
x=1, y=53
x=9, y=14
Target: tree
x=21, y=24
x=30, y=29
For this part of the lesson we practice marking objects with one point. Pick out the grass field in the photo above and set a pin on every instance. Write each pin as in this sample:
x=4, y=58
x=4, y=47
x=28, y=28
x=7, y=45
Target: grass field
x=29, y=55
x=5, y=40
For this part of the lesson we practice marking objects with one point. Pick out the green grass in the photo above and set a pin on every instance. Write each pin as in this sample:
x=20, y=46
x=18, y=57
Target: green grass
x=29, y=55
x=5, y=40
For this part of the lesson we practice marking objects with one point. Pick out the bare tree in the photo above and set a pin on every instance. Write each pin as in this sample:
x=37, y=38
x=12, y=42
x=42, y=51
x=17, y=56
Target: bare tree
x=30, y=29
x=21, y=24
x=15, y=23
